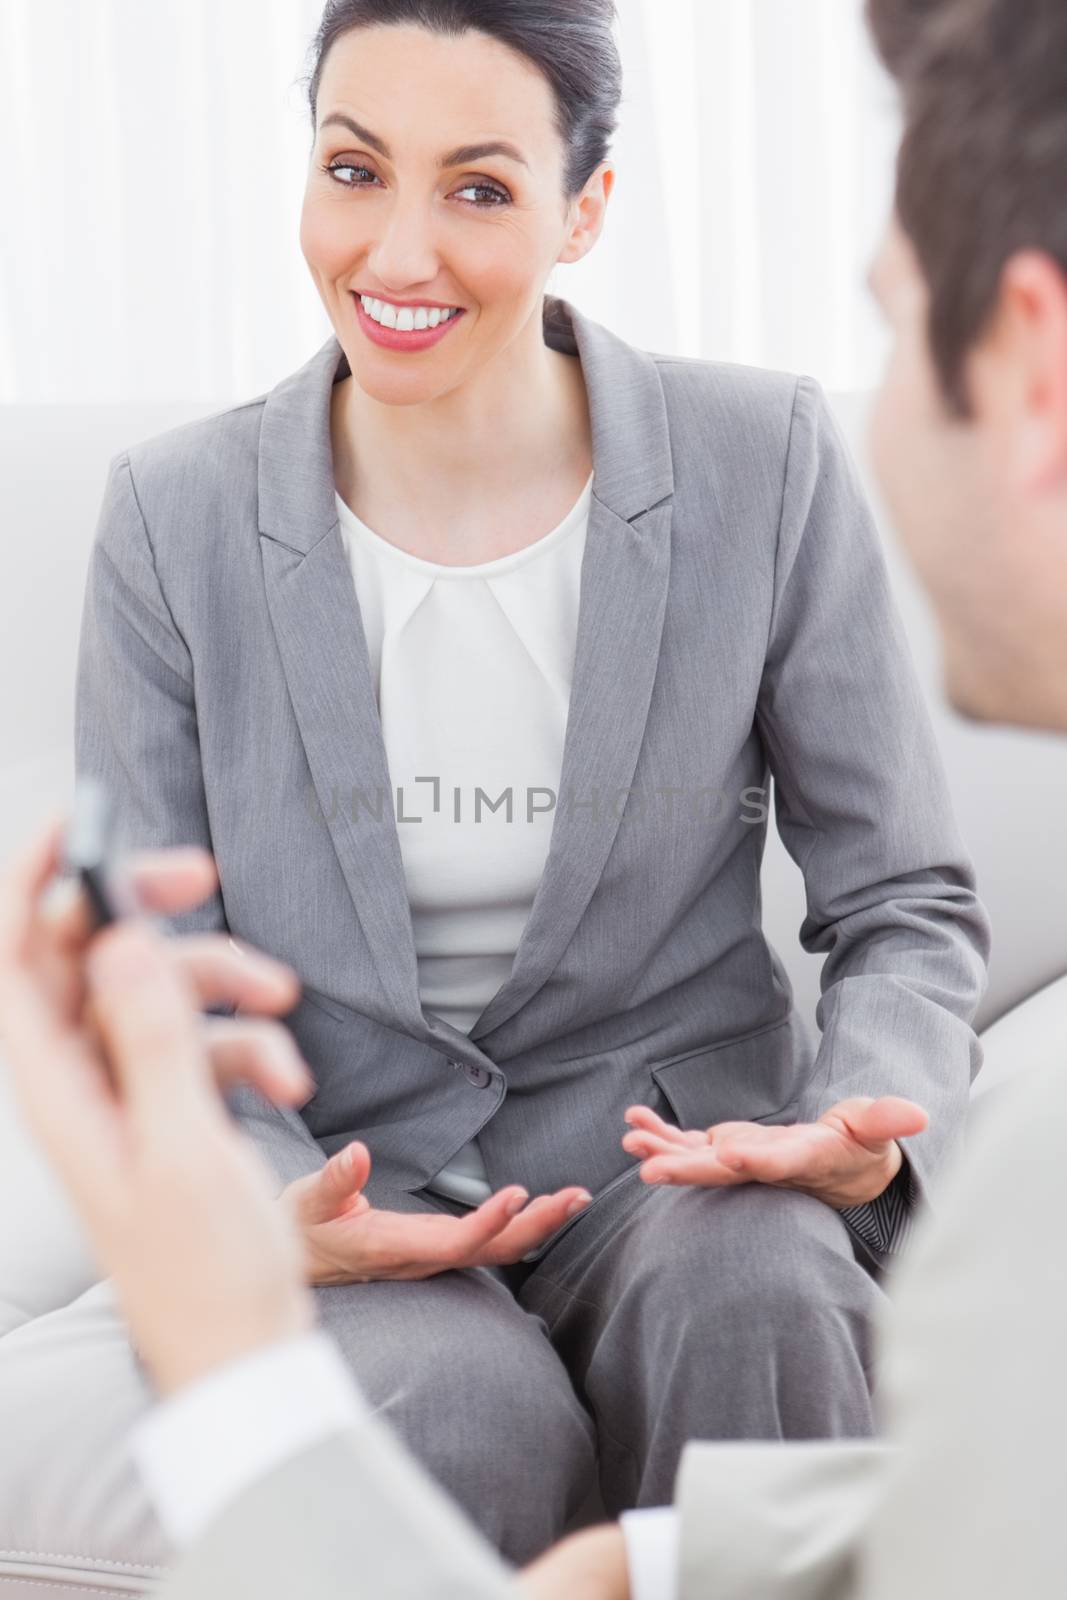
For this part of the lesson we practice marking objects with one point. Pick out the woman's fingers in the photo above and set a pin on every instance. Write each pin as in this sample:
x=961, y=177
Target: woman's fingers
x=401, y=1245
x=644, y=1145
x=701, y=1167
x=327, y=1194
x=477, y=1230
x=534, y=1224
x=876, y=1123
x=260, y=1052
x=644, y=1119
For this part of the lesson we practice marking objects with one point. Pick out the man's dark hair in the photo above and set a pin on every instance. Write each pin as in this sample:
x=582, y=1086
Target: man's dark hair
x=569, y=41
x=982, y=169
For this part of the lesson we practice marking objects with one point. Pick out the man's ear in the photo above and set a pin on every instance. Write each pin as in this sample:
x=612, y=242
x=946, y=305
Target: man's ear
x=1020, y=372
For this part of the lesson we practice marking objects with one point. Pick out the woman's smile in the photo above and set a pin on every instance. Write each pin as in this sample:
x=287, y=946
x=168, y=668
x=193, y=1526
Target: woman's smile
x=412, y=327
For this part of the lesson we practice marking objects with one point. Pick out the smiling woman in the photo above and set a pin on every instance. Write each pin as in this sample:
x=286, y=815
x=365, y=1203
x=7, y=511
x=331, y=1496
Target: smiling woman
x=431, y=256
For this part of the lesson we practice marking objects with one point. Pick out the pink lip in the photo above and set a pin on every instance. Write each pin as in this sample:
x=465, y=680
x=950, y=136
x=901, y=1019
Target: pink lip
x=390, y=339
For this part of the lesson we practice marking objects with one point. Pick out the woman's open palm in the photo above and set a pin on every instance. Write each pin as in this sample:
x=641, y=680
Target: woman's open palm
x=348, y=1240
x=846, y=1158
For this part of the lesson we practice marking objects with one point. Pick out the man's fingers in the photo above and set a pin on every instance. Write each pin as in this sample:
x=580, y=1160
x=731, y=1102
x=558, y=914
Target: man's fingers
x=24, y=879
x=225, y=973
x=260, y=1052
x=147, y=1016
x=173, y=880
x=156, y=881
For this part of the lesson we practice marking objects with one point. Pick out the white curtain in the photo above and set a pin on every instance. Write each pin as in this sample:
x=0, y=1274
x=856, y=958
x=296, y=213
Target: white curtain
x=153, y=153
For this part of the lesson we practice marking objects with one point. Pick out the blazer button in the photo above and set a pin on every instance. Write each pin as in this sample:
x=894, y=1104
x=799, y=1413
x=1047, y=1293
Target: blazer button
x=481, y=1077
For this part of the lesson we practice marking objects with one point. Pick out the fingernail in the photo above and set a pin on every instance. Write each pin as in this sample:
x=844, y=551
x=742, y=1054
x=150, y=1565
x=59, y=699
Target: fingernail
x=516, y=1203
x=579, y=1203
x=59, y=898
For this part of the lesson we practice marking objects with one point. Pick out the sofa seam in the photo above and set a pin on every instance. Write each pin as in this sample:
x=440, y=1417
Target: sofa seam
x=99, y=1562
x=47, y=1583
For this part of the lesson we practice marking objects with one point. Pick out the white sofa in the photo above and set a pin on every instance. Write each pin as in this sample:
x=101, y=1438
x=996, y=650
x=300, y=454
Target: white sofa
x=1010, y=794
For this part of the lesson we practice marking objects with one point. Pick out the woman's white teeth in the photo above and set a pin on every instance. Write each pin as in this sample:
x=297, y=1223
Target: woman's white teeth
x=405, y=319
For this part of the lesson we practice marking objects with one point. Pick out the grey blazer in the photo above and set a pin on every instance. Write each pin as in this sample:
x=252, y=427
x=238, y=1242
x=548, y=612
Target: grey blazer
x=735, y=624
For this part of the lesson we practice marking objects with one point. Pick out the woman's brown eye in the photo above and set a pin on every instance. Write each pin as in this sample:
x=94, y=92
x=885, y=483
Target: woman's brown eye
x=347, y=166
x=496, y=197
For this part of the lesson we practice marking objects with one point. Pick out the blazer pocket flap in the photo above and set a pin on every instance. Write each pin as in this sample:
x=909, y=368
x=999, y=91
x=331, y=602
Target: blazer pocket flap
x=751, y=1079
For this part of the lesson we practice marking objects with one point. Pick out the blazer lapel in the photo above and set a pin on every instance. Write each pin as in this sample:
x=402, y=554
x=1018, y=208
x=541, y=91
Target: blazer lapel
x=625, y=572
x=319, y=631
x=320, y=636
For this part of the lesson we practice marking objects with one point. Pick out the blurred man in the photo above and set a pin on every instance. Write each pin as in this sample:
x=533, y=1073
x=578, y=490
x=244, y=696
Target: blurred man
x=970, y=440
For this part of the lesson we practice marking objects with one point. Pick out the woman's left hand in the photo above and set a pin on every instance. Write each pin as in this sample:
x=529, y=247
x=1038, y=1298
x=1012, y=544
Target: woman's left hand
x=849, y=1156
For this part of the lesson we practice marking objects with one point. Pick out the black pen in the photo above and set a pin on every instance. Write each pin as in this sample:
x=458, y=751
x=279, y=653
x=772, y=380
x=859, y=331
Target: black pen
x=88, y=852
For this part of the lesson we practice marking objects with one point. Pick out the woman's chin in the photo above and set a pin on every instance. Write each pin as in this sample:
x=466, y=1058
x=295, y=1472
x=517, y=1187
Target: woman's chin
x=398, y=392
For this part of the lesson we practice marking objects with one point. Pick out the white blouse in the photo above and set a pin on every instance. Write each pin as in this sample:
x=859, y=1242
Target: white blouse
x=472, y=670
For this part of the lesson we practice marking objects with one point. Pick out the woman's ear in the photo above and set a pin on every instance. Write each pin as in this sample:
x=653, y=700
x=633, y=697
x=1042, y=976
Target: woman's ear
x=586, y=214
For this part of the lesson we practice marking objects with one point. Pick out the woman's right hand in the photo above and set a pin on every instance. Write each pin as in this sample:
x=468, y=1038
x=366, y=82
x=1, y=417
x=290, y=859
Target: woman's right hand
x=347, y=1240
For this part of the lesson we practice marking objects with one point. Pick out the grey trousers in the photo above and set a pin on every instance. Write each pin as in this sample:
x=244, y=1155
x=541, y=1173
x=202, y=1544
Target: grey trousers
x=659, y=1315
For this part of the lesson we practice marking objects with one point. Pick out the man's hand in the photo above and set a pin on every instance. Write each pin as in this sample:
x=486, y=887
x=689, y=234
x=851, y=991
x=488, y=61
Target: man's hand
x=118, y=1078
x=348, y=1241
x=846, y=1158
x=588, y=1566
x=44, y=937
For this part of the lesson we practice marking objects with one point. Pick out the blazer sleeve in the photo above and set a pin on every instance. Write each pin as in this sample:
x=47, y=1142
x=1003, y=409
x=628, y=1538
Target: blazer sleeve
x=862, y=806
x=136, y=731
x=351, y=1518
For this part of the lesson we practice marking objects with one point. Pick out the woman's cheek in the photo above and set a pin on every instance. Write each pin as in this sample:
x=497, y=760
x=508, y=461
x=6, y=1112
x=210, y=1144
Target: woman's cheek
x=326, y=244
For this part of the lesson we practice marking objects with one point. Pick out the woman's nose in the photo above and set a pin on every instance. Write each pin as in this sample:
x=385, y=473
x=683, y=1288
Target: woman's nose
x=404, y=251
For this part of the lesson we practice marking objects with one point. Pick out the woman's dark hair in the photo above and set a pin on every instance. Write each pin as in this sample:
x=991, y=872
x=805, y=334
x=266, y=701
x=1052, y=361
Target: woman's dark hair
x=571, y=41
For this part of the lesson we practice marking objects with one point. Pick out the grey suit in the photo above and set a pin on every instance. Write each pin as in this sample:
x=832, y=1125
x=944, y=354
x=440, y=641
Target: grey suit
x=734, y=623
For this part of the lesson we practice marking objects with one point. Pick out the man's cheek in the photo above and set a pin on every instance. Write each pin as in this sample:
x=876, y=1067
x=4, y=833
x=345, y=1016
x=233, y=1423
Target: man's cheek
x=883, y=438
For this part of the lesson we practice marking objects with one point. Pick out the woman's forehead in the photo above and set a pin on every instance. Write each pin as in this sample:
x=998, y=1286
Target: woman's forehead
x=403, y=80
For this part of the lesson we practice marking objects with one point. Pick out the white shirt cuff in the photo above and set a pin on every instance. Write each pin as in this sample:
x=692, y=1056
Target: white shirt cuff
x=652, y=1539
x=201, y=1447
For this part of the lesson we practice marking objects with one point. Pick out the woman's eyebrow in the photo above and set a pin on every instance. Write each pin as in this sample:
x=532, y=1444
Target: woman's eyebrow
x=455, y=158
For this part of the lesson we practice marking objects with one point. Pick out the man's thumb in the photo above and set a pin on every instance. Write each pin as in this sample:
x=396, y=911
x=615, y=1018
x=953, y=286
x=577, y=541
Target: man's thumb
x=148, y=1019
